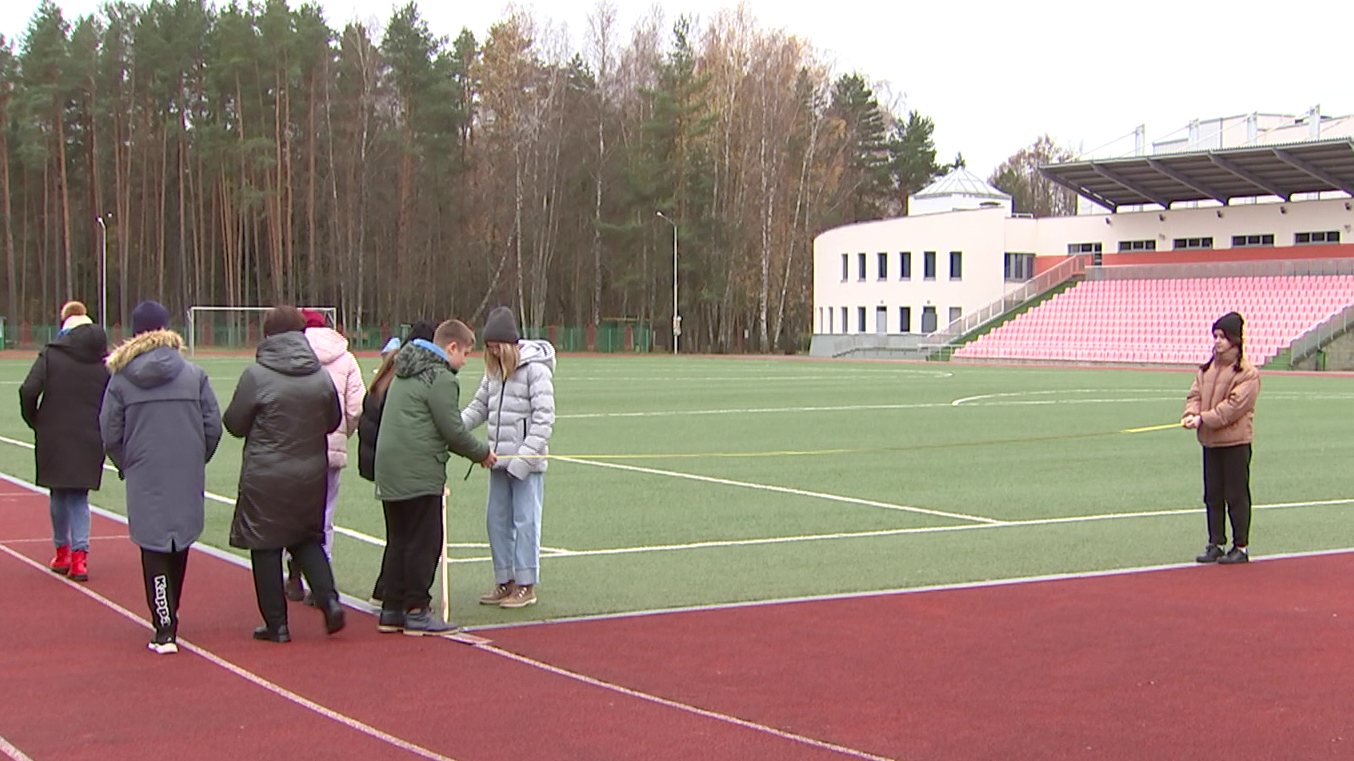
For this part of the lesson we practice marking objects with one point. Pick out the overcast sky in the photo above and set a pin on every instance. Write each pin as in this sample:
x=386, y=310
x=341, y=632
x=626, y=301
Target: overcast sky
x=996, y=75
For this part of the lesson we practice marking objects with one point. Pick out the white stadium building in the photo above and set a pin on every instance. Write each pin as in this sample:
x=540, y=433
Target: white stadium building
x=1251, y=205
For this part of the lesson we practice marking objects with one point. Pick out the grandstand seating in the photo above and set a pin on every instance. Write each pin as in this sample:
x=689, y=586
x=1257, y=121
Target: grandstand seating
x=1165, y=321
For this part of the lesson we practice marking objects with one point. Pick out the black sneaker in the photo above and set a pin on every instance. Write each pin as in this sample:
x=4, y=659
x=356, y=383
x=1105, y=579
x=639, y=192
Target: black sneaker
x=1212, y=554
x=420, y=622
x=280, y=634
x=1236, y=555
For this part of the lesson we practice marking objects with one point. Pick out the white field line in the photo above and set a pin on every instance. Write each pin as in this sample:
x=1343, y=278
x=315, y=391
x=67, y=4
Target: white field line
x=905, y=590
x=1166, y=396
x=784, y=490
x=242, y=672
x=925, y=530
x=555, y=552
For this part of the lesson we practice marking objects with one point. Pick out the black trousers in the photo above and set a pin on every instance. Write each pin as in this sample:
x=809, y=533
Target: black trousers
x=1227, y=493
x=163, y=572
x=413, y=546
x=268, y=585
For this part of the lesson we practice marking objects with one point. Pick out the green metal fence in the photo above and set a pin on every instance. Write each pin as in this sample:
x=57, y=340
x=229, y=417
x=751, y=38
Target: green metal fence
x=224, y=334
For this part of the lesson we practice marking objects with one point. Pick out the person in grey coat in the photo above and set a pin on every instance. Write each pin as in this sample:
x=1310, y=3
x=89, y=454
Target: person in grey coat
x=160, y=425
x=284, y=407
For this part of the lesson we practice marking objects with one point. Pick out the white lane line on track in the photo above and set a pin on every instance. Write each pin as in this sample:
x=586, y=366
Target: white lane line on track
x=12, y=752
x=734, y=720
x=240, y=671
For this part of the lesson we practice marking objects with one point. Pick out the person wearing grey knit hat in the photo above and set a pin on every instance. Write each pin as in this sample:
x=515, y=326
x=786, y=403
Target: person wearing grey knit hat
x=501, y=326
x=516, y=398
x=1220, y=407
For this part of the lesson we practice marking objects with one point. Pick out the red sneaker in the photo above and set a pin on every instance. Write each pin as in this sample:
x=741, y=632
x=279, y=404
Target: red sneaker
x=62, y=562
x=80, y=565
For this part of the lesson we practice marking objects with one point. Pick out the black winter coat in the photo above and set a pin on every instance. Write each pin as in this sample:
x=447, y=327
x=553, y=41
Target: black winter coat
x=284, y=406
x=368, y=426
x=60, y=401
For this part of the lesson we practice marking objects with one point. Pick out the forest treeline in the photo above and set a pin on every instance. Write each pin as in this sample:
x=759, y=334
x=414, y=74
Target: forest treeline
x=253, y=154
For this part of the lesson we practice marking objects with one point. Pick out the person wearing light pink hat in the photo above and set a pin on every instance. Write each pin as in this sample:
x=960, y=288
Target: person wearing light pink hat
x=331, y=348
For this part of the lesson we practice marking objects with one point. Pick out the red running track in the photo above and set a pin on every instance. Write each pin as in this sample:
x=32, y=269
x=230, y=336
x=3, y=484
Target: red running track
x=1169, y=664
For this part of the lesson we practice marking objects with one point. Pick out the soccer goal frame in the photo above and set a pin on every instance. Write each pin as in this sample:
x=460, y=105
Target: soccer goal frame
x=194, y=311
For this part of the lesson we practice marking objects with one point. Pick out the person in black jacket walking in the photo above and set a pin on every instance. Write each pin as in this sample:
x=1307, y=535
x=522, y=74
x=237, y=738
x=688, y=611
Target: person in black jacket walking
x=284, y=407
x=60, y=401
x=161, y=425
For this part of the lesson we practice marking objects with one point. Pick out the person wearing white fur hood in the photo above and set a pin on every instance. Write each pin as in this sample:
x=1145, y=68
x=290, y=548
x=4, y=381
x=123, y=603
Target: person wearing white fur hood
x=516, y=398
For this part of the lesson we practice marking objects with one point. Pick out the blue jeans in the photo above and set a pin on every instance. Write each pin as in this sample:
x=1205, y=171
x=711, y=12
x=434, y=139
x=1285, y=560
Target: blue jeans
x=70, y=518
x=513, y=518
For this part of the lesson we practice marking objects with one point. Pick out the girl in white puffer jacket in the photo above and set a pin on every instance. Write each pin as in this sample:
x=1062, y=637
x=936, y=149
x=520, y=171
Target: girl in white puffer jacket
x=516, y=398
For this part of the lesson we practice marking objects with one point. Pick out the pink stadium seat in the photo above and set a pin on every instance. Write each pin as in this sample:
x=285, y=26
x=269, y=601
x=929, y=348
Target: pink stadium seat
x=1165, y=321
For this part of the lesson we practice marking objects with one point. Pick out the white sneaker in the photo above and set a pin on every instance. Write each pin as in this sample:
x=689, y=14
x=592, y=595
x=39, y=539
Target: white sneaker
x=163, y=648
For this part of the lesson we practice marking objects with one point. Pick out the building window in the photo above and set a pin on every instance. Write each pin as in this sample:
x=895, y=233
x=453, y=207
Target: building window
x=905, y=265
x=1085, y=248
x=846, y=267
x=860, y=262
x=846, y=326
x=881, y=319
x=1302, y=239
x=929, y=265
x=1019, y=267
x=1137, y=245
x=928, y=319
x=956, y=314
x=904, y=319
x=956, y=265
x=1243, y=241
x=860, y=319
x=1186, y=243
x=883, y=265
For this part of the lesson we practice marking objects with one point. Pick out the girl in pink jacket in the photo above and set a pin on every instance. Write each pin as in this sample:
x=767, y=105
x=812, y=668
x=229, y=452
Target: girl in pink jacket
x=331, y=348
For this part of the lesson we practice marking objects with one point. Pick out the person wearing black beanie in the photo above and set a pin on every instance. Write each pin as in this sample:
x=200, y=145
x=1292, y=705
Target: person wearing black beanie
x=1220, y=407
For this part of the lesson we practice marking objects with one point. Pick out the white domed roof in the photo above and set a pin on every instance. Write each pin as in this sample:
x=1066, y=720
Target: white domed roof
x=960, y=182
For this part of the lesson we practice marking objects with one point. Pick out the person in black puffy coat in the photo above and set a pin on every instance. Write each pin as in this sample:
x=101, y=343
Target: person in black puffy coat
x=60, y=401
x=284, y=407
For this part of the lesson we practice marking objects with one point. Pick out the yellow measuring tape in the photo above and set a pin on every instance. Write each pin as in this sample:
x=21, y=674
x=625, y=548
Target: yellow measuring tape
x=812, y=452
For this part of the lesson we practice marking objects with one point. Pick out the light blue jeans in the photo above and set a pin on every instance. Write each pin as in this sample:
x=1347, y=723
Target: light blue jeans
x=70, y=518
x=513, y=518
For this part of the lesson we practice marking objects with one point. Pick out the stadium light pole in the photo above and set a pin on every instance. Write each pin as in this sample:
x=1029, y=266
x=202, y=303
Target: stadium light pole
x=103, y=273
x=676, y=319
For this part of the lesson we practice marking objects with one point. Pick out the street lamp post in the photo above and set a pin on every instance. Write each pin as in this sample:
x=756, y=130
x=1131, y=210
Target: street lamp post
x=676, y=318
x=103, y=273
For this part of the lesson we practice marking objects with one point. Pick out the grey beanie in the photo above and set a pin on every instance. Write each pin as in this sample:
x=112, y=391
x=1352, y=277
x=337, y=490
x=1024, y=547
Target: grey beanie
x=500, y=326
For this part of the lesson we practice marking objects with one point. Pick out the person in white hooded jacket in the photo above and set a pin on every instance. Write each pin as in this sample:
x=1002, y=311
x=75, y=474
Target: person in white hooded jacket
x=331, y=348
x=516, y=398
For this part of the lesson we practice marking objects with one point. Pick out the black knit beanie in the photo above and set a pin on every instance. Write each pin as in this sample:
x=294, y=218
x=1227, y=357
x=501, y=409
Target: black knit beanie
x=500, y=326
x=1230, y=324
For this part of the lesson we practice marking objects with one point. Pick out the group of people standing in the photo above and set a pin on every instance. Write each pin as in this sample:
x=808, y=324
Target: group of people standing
x=155, y=416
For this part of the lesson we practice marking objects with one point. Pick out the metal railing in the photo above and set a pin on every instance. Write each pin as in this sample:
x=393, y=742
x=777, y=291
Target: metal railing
x=1313, y=340
x=1070, y=267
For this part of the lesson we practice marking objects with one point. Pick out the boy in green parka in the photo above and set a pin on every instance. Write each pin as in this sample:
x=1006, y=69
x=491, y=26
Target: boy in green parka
x=420, y=427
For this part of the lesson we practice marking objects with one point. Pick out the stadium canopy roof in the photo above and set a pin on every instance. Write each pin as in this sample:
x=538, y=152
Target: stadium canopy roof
x=1220, y=175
